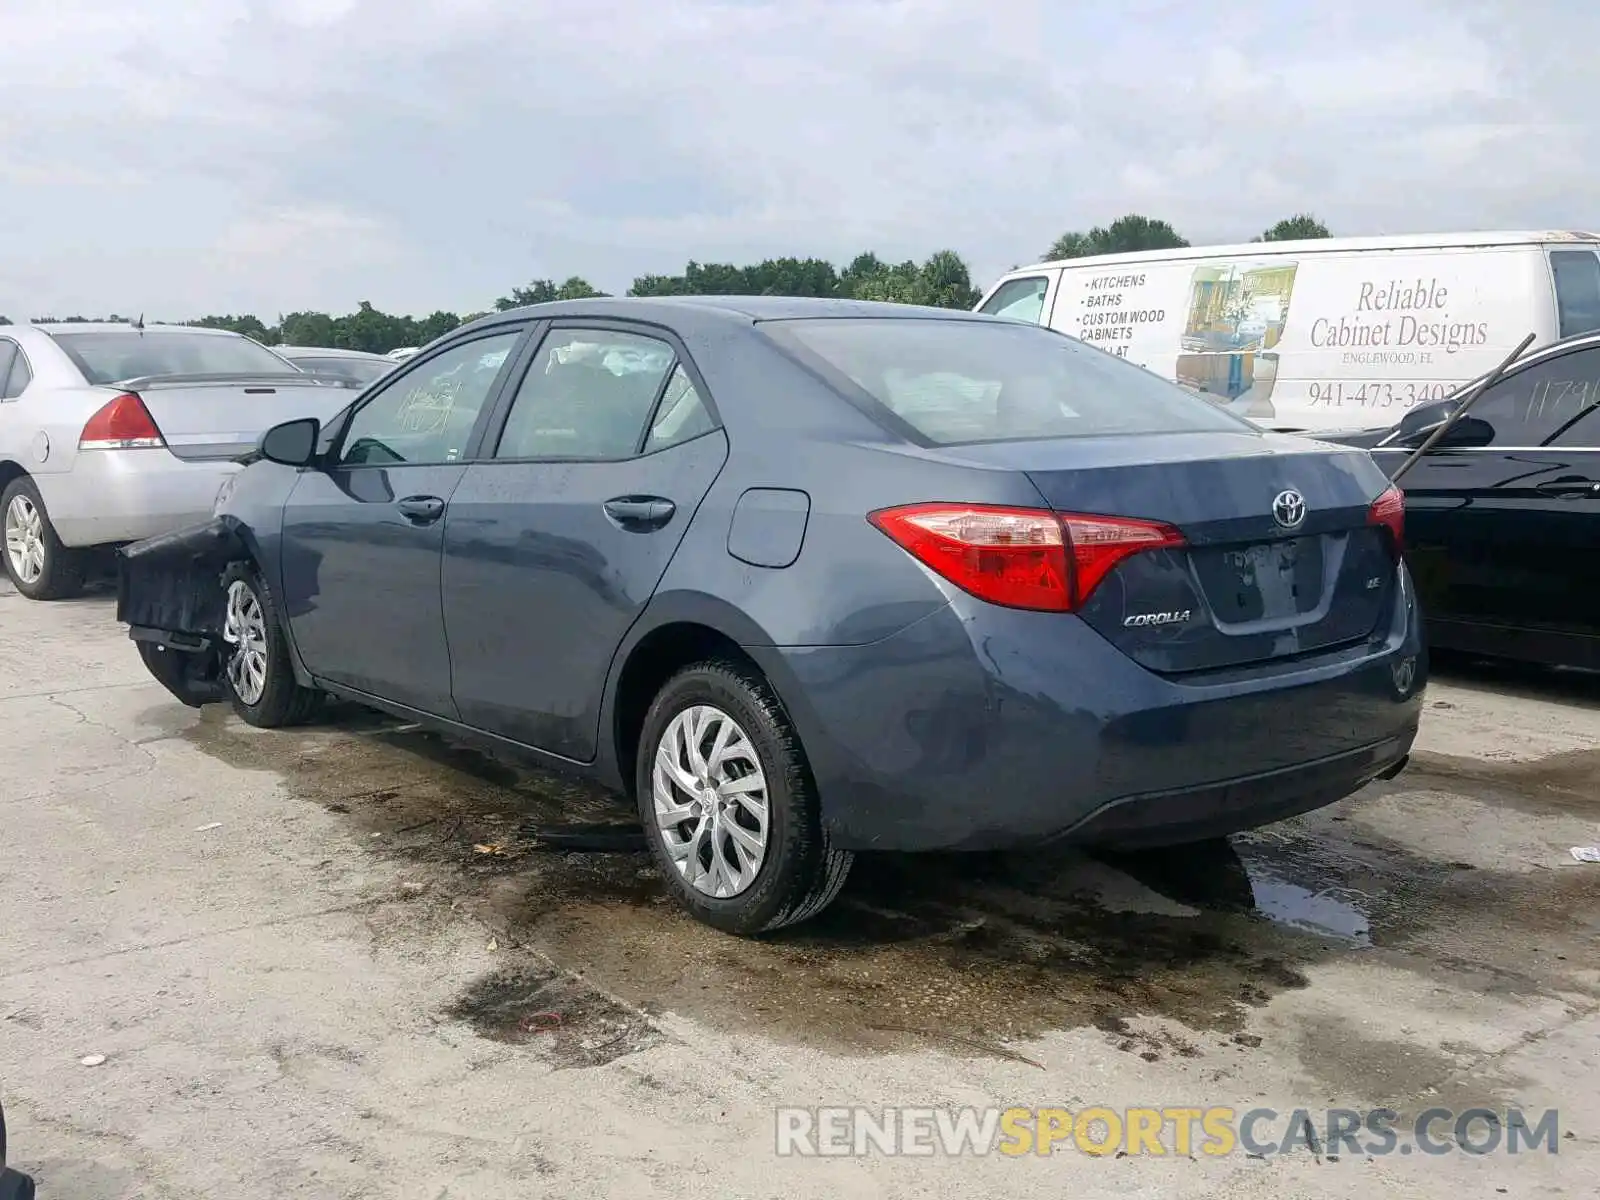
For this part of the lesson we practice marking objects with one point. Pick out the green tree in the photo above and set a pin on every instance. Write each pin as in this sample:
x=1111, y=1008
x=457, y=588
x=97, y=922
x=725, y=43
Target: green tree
x=543, y=291
x=1300, y=227
x=1125, y=235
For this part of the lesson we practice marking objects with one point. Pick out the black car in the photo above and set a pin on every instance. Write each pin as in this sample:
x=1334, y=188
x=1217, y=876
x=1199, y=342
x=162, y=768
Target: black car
x=13, y=1184
x=1503, y=514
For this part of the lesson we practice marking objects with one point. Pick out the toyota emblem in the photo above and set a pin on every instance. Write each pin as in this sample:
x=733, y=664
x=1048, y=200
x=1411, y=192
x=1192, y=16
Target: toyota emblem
x=1289, y=509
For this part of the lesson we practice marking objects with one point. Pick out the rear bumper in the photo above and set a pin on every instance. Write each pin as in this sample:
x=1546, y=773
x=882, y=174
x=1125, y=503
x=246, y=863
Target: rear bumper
x=983, y=728
x=112, y=496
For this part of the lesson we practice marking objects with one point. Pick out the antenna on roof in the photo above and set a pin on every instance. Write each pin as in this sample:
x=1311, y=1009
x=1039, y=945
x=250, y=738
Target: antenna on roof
x=139, y=324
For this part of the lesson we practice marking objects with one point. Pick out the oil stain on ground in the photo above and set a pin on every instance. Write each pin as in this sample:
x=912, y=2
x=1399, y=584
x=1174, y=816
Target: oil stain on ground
x=965, y=952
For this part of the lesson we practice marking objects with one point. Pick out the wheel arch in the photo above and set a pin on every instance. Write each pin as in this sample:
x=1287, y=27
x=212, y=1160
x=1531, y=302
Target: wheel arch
x=676, y=630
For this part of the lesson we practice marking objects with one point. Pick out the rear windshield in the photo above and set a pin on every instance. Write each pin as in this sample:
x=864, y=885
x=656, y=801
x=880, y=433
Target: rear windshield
x=982, y=381
x=112, y=355
x=361, y=370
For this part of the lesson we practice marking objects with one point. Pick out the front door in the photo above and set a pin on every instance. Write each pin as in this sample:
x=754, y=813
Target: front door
x=1505, y=532
x=363, y=537
x=557, y=538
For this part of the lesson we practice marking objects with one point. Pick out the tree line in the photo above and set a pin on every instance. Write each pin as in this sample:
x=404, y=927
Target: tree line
x=943, y=281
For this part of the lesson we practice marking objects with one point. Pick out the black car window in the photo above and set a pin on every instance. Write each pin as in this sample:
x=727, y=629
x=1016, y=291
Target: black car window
x=1019, y=299
x=8, y=353
x=1577, y=276
x=1544, y=404
x=21, y=376
x=427, y=414
x=587, y=395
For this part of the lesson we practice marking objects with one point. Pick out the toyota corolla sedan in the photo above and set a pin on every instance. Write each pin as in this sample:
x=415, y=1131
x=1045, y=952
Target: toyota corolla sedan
x=809, y=578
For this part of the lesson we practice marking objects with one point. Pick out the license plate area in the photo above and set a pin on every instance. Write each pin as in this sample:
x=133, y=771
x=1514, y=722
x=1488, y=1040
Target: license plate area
x=1264, y=581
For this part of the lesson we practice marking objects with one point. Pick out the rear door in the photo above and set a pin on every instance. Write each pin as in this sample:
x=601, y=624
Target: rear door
x=1505, y=533
x=556, y=540
x=363, y=537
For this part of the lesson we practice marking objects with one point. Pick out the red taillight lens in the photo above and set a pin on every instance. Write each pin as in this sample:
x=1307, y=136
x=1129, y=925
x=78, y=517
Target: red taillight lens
x=123, y=423
x=1389, y=510
x=1020, y=557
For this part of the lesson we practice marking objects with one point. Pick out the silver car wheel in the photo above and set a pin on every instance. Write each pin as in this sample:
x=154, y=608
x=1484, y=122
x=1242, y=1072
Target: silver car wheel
x=24, y=539
x=711, y=803
x=245, y=629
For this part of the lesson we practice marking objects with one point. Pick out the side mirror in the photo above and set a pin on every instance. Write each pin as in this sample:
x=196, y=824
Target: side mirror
x=1422, y=420
x=293, y=443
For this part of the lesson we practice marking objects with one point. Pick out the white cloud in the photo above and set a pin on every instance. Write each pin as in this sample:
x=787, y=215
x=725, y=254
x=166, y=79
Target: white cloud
x=196, y=155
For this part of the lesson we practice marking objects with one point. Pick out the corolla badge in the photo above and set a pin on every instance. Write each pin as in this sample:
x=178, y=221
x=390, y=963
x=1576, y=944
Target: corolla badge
x=1289, y=509
x=1140, y=620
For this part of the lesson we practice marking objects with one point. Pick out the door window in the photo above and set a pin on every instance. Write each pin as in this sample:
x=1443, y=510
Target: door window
x=1019, y=299
x=427, y=414
x=1577, y=276
x=1545, y=404
x=589, y=394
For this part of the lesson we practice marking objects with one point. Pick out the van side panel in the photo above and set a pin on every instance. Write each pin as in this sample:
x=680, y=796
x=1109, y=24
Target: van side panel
x=1314, y=340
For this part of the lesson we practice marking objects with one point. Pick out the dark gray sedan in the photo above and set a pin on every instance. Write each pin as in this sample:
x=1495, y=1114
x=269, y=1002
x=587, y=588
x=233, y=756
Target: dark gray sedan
x=809, y=578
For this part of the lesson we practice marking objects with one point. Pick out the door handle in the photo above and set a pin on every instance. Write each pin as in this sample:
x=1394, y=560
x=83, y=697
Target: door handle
x=640, y=513
x=1569, y=487
x=421, y=510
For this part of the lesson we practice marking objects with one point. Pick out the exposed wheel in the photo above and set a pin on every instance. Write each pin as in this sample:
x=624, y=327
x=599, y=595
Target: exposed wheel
x=38, y=564
x=729, y=806
x=256, y=657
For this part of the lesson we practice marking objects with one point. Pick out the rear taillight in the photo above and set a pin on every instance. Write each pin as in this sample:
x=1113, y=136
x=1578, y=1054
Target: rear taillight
x=123, y=423
x=1389, y=511
x=1020, y=557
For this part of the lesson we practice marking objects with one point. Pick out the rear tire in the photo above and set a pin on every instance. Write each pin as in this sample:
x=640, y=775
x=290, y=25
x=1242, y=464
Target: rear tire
x=256, y=666
x=38, y=564
x=715, y=745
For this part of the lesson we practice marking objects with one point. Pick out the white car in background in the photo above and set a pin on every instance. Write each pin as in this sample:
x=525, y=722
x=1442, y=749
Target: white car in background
x=112, y=432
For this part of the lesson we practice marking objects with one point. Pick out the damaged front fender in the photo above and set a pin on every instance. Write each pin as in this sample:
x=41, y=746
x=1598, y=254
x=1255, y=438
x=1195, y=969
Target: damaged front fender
x=171, y=597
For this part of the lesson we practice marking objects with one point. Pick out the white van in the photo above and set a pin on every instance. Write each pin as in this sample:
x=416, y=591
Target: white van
x=1327, y=334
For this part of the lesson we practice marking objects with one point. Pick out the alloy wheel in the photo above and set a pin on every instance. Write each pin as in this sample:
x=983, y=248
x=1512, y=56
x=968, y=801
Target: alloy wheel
x=24, y=528
x=710, y=800
x=245, y=629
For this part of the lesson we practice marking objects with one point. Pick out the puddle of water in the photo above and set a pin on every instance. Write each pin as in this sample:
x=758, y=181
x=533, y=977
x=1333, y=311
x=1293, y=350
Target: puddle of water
x=965, y=952
x=574, y=1025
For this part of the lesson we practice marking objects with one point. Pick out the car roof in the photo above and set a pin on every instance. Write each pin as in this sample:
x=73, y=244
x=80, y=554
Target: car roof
x=55, y=327
x=330, y=352
x=743, y=310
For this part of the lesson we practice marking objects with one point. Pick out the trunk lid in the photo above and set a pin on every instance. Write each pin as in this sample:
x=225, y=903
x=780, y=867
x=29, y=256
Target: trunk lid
x=1247, y=588
x=207, y=418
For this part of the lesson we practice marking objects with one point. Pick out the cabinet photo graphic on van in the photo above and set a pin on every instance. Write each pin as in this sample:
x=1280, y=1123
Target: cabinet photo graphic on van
x=1319, y=335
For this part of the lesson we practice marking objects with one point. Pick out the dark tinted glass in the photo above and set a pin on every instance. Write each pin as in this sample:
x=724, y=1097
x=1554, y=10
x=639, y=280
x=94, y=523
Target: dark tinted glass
x=111, y=355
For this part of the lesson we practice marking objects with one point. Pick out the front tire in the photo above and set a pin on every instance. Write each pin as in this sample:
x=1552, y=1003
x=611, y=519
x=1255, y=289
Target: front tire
x=40, y=567
x=729, y=806
x=256, y=665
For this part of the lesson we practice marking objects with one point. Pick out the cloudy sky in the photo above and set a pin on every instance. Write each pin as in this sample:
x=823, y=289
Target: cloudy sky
x=182, y=157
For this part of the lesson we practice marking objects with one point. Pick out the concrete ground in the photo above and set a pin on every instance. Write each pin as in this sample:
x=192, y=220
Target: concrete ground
x=330, y=963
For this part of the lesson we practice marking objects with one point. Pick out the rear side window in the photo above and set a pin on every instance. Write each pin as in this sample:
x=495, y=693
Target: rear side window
x=1577, y=276
x=8, y=355
x=947, y=382
x=21, y=376
x=112, y=355
x=1019, y=299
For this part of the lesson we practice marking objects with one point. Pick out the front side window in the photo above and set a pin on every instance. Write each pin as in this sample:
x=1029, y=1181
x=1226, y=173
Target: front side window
x=1019, y=299
x=1548, y=403
x=953, y=381
x=427, y=415
x=1577, y=277
x=112, y=355
x=587, y=395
